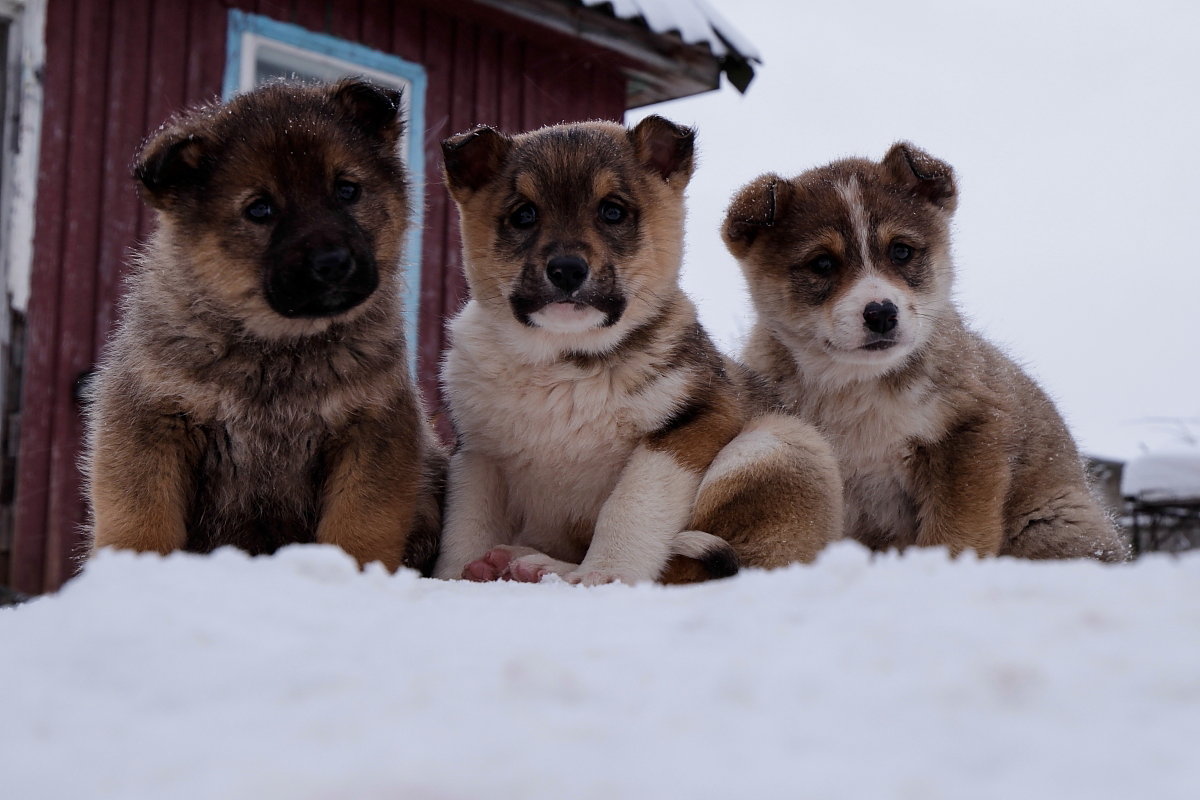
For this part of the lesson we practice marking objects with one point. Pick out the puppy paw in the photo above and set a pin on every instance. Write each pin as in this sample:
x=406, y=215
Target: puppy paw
x=491, y=567
x=596, y=577
x=523, y=571
x=514, y=563
x=533, y=566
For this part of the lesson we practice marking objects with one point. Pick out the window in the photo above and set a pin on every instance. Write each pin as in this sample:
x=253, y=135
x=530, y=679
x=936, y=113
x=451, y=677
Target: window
x=259, y=49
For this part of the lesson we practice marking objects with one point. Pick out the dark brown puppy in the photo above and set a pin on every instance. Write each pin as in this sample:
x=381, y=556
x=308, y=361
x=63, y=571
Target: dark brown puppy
x=257, y=391
x=941, y=438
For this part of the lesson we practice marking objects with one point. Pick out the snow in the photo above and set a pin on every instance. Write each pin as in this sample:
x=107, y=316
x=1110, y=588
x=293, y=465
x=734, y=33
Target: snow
x=695, y=21
x=890, y=677
x=1165, y=476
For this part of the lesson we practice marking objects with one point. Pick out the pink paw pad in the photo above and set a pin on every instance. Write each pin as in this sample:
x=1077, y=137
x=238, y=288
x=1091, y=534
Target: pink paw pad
x=491, y=567
x=524, y=572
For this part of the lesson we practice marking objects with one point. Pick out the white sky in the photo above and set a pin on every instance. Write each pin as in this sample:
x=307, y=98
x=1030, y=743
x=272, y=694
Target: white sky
x=1074, y=128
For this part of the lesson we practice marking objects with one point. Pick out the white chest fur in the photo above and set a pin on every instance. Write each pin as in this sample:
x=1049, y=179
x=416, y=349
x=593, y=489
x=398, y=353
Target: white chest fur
x=560, y=435
x=873, y=432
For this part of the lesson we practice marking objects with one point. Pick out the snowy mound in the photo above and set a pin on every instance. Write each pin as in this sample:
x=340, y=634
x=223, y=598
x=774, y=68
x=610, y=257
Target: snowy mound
x=1163, y=477
x=896, y=677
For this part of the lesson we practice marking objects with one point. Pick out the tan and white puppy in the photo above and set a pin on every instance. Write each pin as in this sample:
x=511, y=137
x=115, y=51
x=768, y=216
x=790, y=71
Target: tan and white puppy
x=600, y=431
x=941, y=438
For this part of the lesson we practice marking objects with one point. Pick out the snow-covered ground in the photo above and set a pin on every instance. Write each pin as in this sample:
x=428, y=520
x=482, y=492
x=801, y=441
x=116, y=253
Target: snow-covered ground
x=890, y=677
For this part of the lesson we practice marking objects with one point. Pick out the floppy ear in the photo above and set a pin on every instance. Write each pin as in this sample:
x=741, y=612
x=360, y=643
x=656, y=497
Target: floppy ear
x=169, y=164
x=472, y=159
x=759, y=206
x=376, y=110
x=665, y=148
x=925, y=175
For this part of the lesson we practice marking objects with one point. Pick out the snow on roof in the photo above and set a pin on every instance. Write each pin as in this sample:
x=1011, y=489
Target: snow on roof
x=297, y=676
x=695, y=22
x=1165, y=477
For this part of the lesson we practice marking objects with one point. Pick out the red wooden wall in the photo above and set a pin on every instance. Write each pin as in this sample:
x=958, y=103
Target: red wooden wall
x=115, y=70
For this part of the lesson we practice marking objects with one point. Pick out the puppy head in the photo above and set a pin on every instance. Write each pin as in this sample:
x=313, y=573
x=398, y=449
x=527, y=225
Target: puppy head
x=574, y=232
x=285, y=208
x=849, y=264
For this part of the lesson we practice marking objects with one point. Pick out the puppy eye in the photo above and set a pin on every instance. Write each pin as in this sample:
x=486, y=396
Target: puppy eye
x=524, y=217
x=900, y=253
x=611, y=212
x=346, y=191
x=260, y=210
x=822, y=265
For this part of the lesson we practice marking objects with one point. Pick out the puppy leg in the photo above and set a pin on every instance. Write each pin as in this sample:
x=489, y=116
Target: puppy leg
x=140, y=481
x=965, y=480
x=774, y=493
x=373, y=489
x=654, y=498
x=475, y=518
x=1071, y=526
x=647, y=509
x=425, y=539
x=698, y=556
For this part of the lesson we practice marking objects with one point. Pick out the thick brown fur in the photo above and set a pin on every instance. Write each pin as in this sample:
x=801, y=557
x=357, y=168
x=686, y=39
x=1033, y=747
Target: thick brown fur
x=601, y=432
x=941, y=438
x=242, y=401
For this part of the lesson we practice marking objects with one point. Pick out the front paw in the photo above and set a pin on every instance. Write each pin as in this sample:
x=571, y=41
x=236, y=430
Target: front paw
x=491, y=567
x=530, y=566
x=515, y=563
x=599, y=577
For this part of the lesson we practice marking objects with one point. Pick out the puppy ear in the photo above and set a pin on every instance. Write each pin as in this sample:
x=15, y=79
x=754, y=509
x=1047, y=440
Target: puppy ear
x=759, y=206
x=170, y=164
x=472, y=159
x=665, y=148
x=925, y=175
x=376, y=110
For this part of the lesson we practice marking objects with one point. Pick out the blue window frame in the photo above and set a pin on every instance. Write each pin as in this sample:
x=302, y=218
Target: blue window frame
x=259, y=49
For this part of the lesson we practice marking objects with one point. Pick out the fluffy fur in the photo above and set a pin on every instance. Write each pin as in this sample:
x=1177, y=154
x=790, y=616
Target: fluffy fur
x=257, y=392
x=941, y=438
x=601, y=434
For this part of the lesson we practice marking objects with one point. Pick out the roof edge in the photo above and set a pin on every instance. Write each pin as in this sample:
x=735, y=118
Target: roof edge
x=659, y=66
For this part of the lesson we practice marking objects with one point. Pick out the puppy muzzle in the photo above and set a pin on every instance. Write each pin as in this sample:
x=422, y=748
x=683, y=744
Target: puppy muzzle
x=323, y=282
x=568, y=280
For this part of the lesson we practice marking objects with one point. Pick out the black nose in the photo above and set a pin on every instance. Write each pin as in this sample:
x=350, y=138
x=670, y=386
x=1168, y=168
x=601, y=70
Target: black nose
x=332, y=265
x=567, y=272
x=880, y=317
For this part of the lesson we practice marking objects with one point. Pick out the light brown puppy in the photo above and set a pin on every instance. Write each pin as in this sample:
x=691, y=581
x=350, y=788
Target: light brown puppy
x=600, y=431
x=942, y=439
x=257, y=391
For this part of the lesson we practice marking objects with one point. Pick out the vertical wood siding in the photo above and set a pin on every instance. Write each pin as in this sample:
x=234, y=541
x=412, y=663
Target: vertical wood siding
x=116, y=69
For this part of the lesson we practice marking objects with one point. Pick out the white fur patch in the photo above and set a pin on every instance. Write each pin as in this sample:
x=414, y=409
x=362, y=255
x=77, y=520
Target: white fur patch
x=640, y=520
x=851, y=194
x=660, y=399
x=567, y=318
x=696, y=544
x=747, y=449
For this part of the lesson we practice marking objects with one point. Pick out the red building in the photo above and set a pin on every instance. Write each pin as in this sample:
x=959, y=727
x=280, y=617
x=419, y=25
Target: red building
x=99, y=75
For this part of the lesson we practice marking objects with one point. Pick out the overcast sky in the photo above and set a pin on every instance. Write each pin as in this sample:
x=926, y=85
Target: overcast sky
x=1074, y=128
